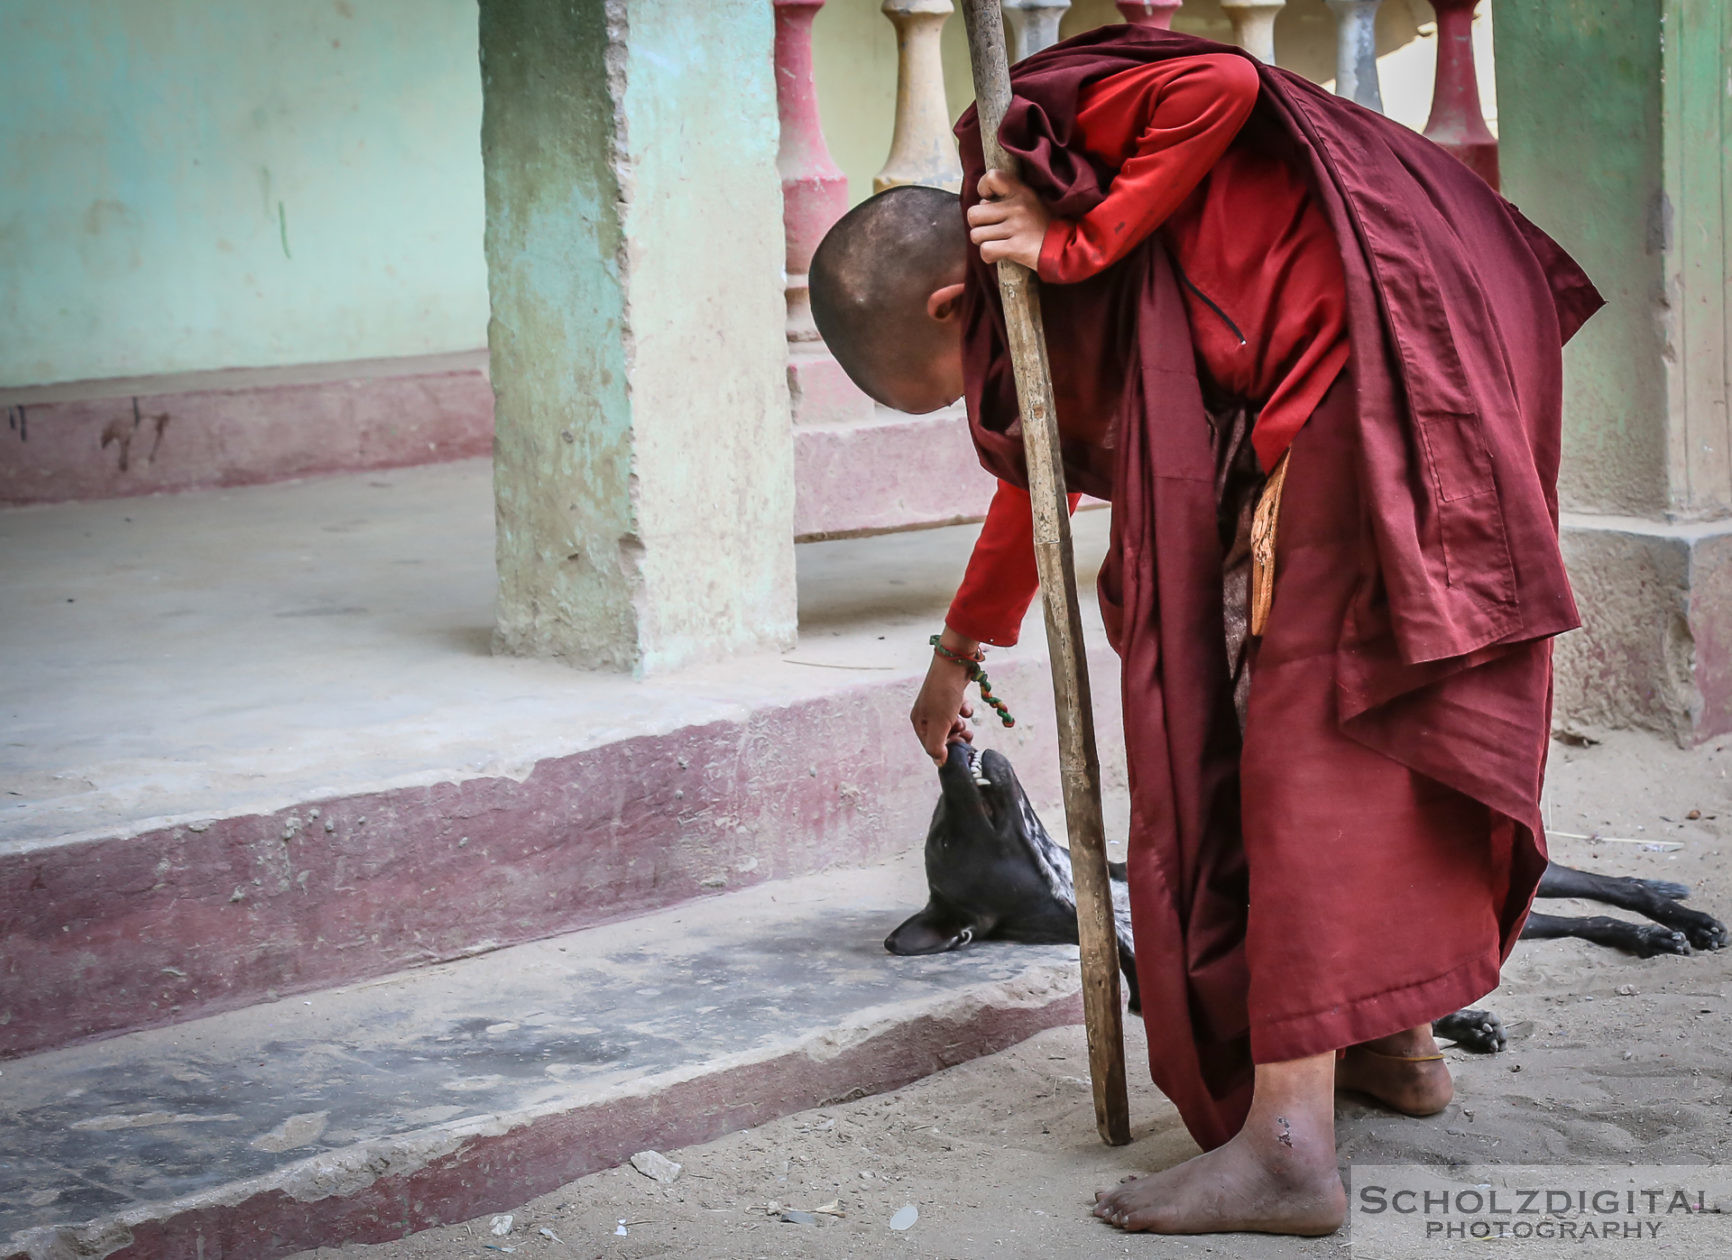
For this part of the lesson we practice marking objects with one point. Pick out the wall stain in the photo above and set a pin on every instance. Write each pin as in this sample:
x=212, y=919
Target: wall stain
x=18, y=422
x=122, y=434
x=283, y=229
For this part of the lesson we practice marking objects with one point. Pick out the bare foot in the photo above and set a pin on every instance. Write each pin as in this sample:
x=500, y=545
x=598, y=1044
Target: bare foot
x=1399, y=1072
x=1276, y=1176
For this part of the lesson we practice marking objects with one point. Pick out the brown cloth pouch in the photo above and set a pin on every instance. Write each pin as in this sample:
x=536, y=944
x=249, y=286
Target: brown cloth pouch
x=1238, y=484
x=1263, y=546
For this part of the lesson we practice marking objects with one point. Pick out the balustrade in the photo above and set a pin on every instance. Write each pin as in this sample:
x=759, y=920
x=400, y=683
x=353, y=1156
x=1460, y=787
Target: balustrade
x=1254, y=25
x=1457, y=122
x=1033, y=24
x=1356, y=52
x=922, y=149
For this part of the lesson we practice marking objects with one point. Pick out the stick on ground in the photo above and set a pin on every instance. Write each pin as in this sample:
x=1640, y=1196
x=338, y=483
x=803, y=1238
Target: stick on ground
x=1078, y=761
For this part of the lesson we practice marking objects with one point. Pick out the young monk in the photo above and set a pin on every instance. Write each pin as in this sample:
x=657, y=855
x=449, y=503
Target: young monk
x=1265, y=308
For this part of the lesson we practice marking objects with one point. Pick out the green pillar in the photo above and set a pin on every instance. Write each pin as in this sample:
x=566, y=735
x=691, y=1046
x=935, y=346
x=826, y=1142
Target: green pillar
x=643, y=457
x=1615, y=137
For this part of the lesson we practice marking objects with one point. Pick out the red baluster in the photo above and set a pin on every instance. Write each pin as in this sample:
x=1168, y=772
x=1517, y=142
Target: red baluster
x=1155, y=13
x=1457, y=122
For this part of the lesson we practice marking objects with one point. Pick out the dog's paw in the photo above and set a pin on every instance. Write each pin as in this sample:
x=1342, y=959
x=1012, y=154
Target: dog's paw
x=1664, y=888
x=1704, y=931
x=1646, y=940
x=1479, y=1032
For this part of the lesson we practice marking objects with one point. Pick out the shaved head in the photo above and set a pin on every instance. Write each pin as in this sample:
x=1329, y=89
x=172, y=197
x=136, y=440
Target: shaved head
x=871, y=279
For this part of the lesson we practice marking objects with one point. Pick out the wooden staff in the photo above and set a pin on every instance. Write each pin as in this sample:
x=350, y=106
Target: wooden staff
x=1078, y=761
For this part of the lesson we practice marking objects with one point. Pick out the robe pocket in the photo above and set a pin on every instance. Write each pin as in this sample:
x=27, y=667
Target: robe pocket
x=1476, y=553
x=1455, y=455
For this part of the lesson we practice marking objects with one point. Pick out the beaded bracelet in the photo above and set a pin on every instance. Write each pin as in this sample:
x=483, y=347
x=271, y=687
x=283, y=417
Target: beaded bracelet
x=975, y=674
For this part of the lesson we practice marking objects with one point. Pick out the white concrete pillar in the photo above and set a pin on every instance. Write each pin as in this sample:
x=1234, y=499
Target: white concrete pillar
x=1254, y=25
x=1630, y=172
x=1033, y=24
x=922, y=149
x=643, y=461
x=1356, y=52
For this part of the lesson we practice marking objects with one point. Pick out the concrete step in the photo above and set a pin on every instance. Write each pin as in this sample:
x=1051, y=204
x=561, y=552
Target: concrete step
x=256, y=745
x=368, y=1112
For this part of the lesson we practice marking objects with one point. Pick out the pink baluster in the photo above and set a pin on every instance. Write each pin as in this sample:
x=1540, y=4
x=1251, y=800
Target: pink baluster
x=814, y=196
x=814, y=190
x=1457, y=123
x=1155, y=13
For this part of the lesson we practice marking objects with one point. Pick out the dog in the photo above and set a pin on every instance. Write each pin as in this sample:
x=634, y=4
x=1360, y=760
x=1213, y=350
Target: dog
x=994, y=872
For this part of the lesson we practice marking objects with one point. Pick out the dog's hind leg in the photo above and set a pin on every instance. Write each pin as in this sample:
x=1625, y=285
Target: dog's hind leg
x=1657, y=899
x=1478, y=1031
x=1641, y=939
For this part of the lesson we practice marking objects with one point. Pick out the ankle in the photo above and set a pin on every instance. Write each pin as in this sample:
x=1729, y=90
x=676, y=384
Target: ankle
x=1295, y=1148
x=1408, y=1043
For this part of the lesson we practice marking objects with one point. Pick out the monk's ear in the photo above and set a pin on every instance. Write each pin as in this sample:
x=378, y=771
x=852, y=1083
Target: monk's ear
x=944, y=305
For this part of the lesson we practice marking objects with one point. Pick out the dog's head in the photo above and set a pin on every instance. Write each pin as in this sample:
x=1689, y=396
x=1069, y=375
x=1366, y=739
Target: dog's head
x=981, y=809
x=979, y=868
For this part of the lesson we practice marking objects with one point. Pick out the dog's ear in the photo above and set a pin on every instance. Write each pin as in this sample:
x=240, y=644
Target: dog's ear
x=935, y=930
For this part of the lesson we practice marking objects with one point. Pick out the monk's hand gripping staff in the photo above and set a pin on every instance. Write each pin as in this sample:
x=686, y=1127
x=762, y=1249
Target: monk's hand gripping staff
x=1078, y=761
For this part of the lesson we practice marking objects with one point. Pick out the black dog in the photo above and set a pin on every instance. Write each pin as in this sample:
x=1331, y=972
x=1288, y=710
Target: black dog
x=994, y=873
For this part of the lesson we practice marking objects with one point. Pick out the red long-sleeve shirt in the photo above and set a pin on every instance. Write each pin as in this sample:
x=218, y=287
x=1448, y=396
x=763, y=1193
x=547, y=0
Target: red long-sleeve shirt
x=1259, y=266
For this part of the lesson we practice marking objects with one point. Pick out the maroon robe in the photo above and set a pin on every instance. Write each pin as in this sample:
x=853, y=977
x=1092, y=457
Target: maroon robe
x=1389, y=840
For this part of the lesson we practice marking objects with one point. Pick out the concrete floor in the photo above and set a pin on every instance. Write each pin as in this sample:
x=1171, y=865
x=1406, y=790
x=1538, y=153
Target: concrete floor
x=199, y=655
x=432, y=1095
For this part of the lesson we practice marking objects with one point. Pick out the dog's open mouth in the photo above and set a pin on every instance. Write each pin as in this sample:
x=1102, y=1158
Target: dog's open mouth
x=989, y=792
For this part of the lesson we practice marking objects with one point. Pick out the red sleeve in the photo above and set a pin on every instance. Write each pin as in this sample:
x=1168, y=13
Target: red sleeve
x=1163, y=126
x=1001, y=580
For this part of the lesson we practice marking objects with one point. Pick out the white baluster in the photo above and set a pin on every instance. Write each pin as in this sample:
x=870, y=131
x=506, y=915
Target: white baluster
x=1356, y=52
x=922, y=150
x=1254, y=26
x=1033, y=24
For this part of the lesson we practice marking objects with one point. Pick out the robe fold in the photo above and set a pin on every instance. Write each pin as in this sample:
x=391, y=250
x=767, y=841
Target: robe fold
x=1361, y=857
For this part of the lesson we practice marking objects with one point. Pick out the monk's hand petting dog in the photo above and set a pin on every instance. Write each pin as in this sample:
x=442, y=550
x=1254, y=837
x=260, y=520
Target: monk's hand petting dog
x=1009, y=222
x=940, y=713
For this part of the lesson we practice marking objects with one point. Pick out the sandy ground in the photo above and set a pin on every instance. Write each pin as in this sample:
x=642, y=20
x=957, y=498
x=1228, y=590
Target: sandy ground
x=1612, y=1060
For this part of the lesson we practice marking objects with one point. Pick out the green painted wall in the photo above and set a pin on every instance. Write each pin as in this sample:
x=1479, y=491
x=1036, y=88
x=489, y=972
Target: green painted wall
x=201, y=185
x=196, y=185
